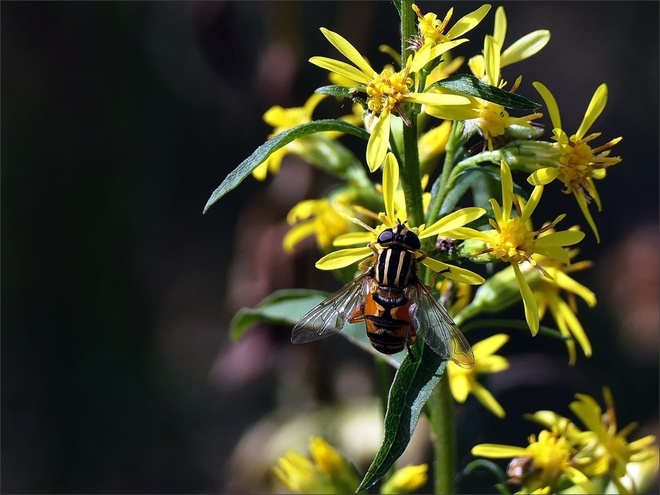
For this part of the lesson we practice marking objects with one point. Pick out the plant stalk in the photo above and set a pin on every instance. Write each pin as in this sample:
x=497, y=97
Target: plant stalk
x=440, y=406
x=443, y=437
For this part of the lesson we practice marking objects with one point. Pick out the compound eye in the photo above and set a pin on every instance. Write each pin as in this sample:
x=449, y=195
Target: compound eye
x=411, y=240
x=386, y=236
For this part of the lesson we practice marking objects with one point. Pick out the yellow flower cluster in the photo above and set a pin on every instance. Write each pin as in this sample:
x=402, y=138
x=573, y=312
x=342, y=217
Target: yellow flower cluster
x=538, y=260
x=565, y=458
x=327, y=471
x=448, y=185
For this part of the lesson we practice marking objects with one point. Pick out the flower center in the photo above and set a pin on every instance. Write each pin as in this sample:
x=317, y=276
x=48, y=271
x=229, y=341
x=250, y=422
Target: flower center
x=513, y=242
x=430, y=28
x=492, y=120
x=576, y=164
x=387, y=90
x=551, y=453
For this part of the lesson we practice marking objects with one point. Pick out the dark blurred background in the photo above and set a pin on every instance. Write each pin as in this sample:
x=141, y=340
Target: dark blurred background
x=118, y=121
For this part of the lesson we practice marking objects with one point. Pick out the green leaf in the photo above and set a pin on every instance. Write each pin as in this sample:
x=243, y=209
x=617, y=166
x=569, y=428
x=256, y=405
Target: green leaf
x=335, y=90
x=283, y=307
x=410, y=390
x=468, y=84
x=236, y=176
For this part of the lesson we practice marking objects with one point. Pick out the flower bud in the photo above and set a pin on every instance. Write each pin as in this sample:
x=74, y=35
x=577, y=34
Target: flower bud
x=498, y=292
x=529, y=156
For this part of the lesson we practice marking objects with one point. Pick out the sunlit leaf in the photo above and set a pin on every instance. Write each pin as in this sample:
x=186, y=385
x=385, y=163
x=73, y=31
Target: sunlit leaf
x=284, y=307
x=236, y=176
x=410, y=390
x=468, y=84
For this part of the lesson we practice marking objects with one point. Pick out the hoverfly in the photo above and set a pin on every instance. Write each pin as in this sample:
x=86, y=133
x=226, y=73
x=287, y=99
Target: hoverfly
x=393, y=303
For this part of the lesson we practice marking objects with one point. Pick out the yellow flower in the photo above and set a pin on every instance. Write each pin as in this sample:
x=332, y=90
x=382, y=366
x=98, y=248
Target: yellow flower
x=501, y=291
x=282, y=119
x=385, y=93
x=313, y=149
x=513, y=240
x=433, y=41
x=608, y=444
x=521, y=49
x=326, y=472
x=432, y=143
x=491, y=119
x=548, y=290
x=443, y=227
x=550, y=457
x=409, y=479
x=463, y=381
x=325, y=218
x=576, y=163
x=601, y=450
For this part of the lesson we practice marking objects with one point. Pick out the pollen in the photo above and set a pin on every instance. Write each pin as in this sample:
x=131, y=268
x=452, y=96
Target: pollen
x=576, y=164
x=492, y=121
x=431, y=29
x=386, y=92
x=513, y=242
x=551, y=453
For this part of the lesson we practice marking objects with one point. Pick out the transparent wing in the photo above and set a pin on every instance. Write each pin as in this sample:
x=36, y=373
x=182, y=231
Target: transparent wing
x=439, y=330
x=329, y=316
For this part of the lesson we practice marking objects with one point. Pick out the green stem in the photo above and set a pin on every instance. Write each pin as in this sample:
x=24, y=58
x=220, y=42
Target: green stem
x=411, y=179
x=444, y=437
x=454, y=143
x=440, y=406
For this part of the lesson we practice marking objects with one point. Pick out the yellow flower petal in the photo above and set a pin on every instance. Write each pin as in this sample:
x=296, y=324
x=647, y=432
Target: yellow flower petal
x=531, y=308
x=566, y=314
x=486, y=398
x=458, y=382
x=465, y=233
x=543, y=176
x=390, y=183
x=579, y=478
x=584, y=207
x=530, y=206
x=561, y=238
x=454, y=112
x=568, y=284
x=406, y=480
x=452, y=221
x=421, y=58
x=312, y=102
x=490, y=345
x=555, y=252
x=325, y=456
x=342, y=258
x=507, y=192
x=349, y=51
x=301, y=211
x=497, y=212
x=297, y=234
x=550, y=103
x=492, y=59
x=499, y=28
x=492, y=364
x=378, y=142
x=455, y=273
x=353, y=238
x=595, y=108
x=468, y=22
x=525, y=47
x=341, y=68
x=437, y=99
x=496, y=451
